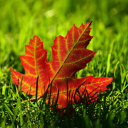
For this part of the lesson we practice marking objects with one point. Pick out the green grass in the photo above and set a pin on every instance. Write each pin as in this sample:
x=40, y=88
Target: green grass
x=21, y=20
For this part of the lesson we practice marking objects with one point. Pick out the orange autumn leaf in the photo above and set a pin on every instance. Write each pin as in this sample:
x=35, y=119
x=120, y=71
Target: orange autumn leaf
x=69, y=55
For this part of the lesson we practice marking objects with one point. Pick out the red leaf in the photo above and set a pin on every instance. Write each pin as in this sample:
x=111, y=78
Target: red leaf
x=69, y=55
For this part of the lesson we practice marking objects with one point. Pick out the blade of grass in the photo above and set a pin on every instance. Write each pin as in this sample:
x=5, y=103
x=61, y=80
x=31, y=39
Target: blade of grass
x=19, y=104
x=37, y=88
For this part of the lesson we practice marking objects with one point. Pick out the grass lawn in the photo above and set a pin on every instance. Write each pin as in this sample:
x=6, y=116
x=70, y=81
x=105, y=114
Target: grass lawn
x=21, y=20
